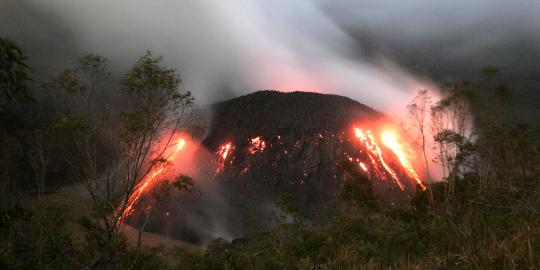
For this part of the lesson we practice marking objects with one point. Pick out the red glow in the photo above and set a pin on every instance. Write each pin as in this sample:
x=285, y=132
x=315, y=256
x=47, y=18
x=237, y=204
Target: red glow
x=384, y=159
x=374, y=151
x=363, y=166
x=152, y=177
x=223, y=153
x=390, y=140
x=256, y=144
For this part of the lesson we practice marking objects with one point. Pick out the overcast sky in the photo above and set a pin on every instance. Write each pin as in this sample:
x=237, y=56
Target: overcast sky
x=366, y=50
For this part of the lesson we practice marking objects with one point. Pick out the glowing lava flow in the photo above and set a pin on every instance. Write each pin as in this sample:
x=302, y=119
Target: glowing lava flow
x=223, y=152
x=151, y=178
x=390, y=140
x=256, y=144
x=374, y=150
x=363, y=166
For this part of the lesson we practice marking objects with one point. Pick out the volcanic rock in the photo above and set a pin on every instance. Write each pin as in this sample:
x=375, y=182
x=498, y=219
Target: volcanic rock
x=267, y=145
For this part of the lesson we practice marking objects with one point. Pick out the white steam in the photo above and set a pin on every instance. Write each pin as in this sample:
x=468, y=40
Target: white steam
x=226, y=48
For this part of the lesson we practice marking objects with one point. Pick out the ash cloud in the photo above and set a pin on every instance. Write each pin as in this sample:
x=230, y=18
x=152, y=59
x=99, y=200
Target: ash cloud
x=223, y=49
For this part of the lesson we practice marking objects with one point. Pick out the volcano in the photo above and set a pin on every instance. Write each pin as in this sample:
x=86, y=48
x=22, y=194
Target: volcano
x=291, y=143
x=268, y=144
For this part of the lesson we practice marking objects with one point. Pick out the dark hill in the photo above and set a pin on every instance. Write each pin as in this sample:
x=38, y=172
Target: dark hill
x=271, y=112
x=279, y=144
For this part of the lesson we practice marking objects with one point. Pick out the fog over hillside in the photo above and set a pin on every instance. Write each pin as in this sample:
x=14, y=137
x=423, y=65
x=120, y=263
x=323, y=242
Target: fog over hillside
x=377, y=53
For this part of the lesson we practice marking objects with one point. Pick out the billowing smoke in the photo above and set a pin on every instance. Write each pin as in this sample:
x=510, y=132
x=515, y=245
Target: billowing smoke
x=204, y=214
x=225, y=48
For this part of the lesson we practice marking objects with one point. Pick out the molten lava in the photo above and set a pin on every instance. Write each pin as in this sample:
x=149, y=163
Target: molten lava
x=375, y=153
x=390, y=140
x=152, y=178
x=384, y=165
x=256, y=144
x=363, y=166
x=223, y=153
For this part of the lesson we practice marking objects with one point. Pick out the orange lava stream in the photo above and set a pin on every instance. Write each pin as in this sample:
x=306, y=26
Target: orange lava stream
x=223, y=152
x=256, y=144
x=151, y=178
x=369, y=141
x=390, y=140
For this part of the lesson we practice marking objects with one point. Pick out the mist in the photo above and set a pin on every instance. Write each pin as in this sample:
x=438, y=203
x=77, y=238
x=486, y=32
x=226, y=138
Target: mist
x=225, y=49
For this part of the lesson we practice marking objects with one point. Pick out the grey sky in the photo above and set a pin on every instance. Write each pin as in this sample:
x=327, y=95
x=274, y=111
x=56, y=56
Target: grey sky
x=226, y=48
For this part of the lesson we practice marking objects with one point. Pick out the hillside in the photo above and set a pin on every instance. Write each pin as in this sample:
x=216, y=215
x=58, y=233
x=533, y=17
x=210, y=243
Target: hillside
x=271, y=145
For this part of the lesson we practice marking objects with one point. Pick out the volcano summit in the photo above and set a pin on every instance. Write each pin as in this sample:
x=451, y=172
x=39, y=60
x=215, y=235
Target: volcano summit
x=270, y=143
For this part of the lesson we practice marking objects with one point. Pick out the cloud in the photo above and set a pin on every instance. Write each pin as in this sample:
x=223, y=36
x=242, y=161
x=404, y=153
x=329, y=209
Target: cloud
x=230, y=48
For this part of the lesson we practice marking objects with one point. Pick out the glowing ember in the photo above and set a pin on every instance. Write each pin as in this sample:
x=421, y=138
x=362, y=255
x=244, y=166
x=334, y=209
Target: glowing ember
x=363, y=166
x=374, y=152
x=390, y=140
x=256, y=144
x=223, y=153
x=380, y=167
x=151, y=178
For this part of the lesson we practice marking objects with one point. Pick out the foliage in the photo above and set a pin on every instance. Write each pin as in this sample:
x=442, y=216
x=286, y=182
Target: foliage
x=357, y=189
x=73, y=129
x=484, y=215
x=14, y=74
x=14, y=96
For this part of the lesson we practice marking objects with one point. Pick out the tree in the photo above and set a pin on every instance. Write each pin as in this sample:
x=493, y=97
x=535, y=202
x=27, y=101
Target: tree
x=14, y=74
x=419, y=113
x=111, y=152
x=14, y=77
x=157, y=109
x=451, y=123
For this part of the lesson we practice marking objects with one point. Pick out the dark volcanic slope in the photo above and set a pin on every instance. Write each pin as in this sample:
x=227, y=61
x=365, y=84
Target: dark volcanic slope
x=300, y=139
x=305, y=135
x=272, y=112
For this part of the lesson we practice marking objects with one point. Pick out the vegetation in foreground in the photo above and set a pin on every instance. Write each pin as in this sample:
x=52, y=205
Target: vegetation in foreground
x=484, y=213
